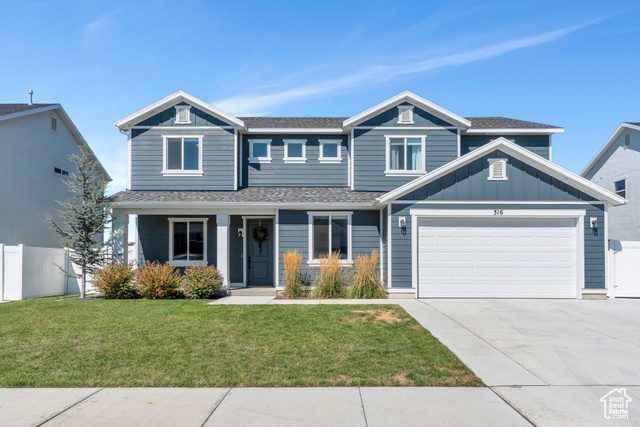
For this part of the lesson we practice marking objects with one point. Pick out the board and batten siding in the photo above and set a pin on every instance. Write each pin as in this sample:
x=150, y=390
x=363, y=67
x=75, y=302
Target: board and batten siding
x=312, y=173
x=294, y=234
x=370, y=155
x=421, y=118
x=153, y=237
x=217, y=160
x=168, y=116
x=538, y=144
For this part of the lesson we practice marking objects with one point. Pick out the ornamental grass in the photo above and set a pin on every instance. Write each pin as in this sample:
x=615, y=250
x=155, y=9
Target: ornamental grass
x=330, y=283
x=365, y=280
x=292, y=279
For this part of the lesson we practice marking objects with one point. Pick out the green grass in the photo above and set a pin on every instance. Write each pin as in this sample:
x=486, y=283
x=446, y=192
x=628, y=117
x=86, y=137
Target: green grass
x=185, y=343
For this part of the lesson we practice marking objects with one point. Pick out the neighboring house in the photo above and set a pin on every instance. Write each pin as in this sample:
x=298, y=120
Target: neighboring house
x=35, y=141
x=458, y=207
x=616, y=167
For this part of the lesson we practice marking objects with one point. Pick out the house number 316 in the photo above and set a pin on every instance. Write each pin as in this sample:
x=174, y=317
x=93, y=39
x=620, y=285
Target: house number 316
x=498, y=212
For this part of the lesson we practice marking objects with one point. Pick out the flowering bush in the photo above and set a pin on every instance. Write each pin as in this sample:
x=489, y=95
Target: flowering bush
x=201, y=281
x=115, y=280
x=158, y=281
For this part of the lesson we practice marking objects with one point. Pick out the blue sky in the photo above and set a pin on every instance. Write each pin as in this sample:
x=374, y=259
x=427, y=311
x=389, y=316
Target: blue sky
x=569, y=64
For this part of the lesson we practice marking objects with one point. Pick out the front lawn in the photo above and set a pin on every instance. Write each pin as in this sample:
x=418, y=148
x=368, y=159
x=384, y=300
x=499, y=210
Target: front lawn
x=185, y=343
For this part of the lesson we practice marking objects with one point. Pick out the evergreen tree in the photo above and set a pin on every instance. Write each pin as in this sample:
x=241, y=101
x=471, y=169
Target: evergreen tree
x=83, y=218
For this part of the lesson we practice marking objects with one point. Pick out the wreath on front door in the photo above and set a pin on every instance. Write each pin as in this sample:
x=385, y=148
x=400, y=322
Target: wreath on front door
x=260, y=234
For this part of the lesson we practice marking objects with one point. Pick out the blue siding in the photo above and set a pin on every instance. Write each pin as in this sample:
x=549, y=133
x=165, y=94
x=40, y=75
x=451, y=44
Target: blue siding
x=147, y=160
x=524, y=183
x=167, y=118
x=594, y=248
x=538, y=144
x=369, y=155
x=390, y=118
x=281, y=174
x=153, y=233
x=294, y=234
x=383, y=256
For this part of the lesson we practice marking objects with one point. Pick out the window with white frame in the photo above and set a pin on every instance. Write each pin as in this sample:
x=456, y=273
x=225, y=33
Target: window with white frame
x=620, y=188
x=329, y=232
x=295, y=151
x=405, y=154
x=182, y=155
x=405, y=115
x=260, y=151
x=330, y=151
x=187, y=241
x=183, y=114
x=497, y=169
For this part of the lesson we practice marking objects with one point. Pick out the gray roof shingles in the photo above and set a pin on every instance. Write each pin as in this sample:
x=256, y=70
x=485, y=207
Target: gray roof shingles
x=336, y=122
x=633, y=123
x=6, y=109
x=268, y=195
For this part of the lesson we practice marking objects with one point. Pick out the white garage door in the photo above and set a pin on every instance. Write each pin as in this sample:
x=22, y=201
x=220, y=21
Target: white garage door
x=497, y=258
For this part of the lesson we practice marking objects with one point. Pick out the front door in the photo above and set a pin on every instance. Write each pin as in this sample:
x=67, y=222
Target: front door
x=260, y=252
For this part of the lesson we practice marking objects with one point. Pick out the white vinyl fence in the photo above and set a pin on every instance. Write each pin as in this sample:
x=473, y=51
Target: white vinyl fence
x=31, y=272
x=624, y=268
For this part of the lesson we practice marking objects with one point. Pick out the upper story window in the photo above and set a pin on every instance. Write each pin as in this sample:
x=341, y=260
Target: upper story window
x=295, y=151
x=260, y=151
x=329, y=232
x=330, y=151
x=187, y=241
x=620, y=188
x=182, y=155
x=60, y=171
x=405, y=115
x=497, y=169
x=405, y=154
x=183, y=114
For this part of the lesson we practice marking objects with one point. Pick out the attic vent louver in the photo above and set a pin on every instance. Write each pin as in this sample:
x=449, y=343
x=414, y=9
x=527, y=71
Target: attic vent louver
x=627, y=140
x=54, y=124
x=497, y=169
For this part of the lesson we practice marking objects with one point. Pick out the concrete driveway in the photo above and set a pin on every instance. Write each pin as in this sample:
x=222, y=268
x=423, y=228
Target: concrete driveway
x=555, y=358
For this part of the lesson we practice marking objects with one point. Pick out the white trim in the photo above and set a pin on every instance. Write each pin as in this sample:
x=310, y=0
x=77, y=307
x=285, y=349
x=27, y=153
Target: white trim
x=400, y=128
x=458, y=141
x=295, y=130
x=389, y=234
x=550, y=147
x=129, y=159
x=288, y=159
x=311, y=214
x=509, y=131
x=491, y=202
x=514, y=150
x=241, y=162
x=381, y=249
x=172, y=100
x=253, y=159
x=352, y=160
x=223, y=246
x=608, y=288
x=349, y=162
x=180, y=108
x=185, y=263
x=403, y=172
x=181, y=172
x=401, y=290
x=607, y=145
x=492, y=176
x=276, y=225
x=401, y=110
x=338, y=158
x=414, y=99
x=235, y=159
x=577, y=214
x=185, y=128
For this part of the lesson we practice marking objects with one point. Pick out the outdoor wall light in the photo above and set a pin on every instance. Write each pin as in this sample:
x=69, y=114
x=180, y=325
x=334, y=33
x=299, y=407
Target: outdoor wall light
x=402, y=222
x=240, y=233
x=593, y=221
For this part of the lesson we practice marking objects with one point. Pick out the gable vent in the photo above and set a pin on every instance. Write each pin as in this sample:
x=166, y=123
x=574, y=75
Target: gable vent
x=627, y=140
x=183, y=114
x=497, y=169
x=54, y=124
x=405, y=115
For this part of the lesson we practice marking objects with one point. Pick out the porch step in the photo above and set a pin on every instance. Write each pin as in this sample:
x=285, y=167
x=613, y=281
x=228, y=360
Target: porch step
x=253, y=292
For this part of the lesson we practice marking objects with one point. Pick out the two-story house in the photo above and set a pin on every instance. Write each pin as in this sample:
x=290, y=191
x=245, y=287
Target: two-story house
x=36, y=141
x=457, y=207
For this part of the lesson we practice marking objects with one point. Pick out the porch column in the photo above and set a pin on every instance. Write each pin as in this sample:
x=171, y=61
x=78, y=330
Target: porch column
x=120, y=235
x=222, y=247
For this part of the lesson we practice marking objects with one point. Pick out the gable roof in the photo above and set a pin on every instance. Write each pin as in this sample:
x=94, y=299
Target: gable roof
x=13, y=111
x=514, y=150
x=484, y=125
x=414, y=99
x=293, y=122
x=612, y=139
x=170, y=101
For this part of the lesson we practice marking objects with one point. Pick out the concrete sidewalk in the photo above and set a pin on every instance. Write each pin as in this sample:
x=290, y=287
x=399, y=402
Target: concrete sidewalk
x=341, y=406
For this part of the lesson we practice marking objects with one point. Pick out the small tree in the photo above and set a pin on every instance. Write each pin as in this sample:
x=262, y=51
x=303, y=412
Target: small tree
x=83, y=216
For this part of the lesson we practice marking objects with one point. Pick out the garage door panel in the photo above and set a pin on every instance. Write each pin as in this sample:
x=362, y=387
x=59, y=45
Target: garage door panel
x=497, y=258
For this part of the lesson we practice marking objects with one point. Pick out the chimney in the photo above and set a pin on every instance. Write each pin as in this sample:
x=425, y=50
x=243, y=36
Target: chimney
x=30, y=97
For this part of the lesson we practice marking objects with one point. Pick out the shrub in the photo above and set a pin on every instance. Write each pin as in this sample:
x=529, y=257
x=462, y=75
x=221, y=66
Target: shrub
x=201, y=281
x=115, y=281
x=366, y=281
x=329, y=283
x=292, y=279
x=158, y=281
